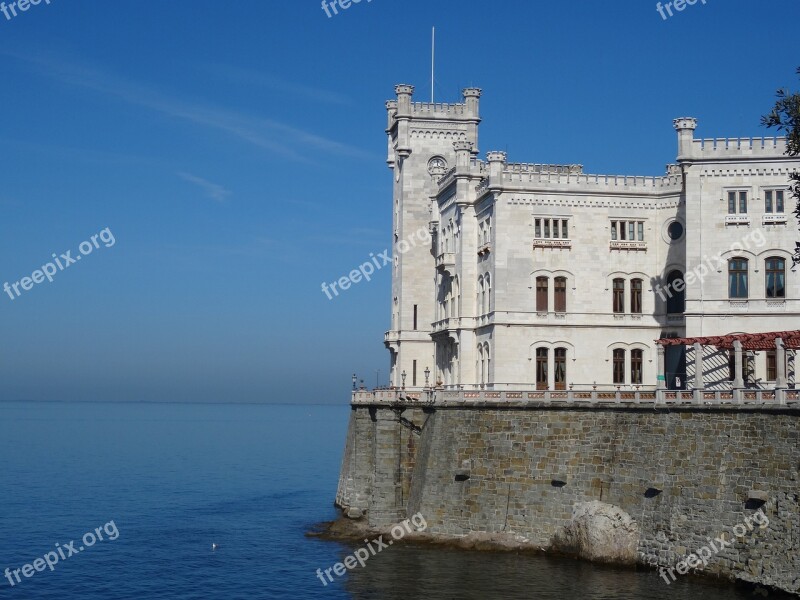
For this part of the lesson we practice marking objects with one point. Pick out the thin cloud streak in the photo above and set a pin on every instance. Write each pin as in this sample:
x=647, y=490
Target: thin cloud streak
x=265, y=133
x=212, y=190
x=257, y=78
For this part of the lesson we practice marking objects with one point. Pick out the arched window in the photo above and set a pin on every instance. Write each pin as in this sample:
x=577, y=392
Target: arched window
x=560, y=292
x=541, y=368
x=619, y=366
x=619, y=295
x=456, y=297
x=560, y=368
x=481, y=365
x=636, y=296
x=737, y=278
x=676, y=293
x=541, y=294
x=776, y=277
x=637, y=365
x=488, y=306
x=488, y=356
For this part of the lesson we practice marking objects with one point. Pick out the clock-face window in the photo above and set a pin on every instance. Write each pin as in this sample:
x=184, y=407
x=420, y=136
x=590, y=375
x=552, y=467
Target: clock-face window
x=437, y=165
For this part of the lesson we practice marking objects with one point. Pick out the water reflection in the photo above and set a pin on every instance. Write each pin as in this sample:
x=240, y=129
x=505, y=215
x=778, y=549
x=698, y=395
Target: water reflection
x=412, y=571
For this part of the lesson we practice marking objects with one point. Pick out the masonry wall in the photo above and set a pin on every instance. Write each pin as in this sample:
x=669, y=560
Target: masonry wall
x=527, y=468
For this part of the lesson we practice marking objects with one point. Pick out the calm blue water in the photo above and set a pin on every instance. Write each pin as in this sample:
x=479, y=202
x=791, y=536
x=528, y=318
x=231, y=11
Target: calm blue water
x=253, y=479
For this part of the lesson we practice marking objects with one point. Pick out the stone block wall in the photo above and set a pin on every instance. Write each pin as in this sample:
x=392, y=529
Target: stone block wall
x=684, y=475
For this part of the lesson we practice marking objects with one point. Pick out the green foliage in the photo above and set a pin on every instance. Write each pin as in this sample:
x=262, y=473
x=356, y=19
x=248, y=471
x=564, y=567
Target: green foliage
x=785, y=116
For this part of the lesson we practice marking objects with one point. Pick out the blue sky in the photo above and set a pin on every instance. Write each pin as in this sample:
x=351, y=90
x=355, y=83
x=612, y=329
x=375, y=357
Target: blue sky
x=236, y=151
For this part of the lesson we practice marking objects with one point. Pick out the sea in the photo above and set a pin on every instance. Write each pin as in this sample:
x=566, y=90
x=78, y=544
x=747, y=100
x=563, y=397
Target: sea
x=214, y=501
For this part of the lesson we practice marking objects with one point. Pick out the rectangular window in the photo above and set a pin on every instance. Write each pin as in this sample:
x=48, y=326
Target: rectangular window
x=641, y=231
x=537, y=227
x=772, y=365
x=737, y=278
x=560, y=368
x=776, y=278
x=614, y=230
x=731, y=203
x=415, y=317
x=560, y=294
x=541, y=294
x=742, y=203
x=619, y=366
x=564, y=230
x=768, y=201
x=619, y=295
x=541, y=368
x=636, y=367
x=636, y=296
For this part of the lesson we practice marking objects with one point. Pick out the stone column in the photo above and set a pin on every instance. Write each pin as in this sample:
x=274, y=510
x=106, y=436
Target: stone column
x=661, y=381
x=780, y=364
x=738, y=380
x=699, y=382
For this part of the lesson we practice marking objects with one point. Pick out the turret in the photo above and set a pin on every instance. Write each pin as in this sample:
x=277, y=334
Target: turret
x=685, y=127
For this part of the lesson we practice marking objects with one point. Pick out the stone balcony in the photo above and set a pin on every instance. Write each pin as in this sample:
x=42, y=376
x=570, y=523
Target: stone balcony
x=774, y=219
x=737, y=219
x=627, y=245
x=446, y=261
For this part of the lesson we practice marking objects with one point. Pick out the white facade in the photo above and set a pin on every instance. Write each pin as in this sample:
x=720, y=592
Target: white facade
x=541, y=276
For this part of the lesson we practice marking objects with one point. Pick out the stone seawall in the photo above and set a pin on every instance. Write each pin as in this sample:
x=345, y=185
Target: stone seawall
x=677, y=478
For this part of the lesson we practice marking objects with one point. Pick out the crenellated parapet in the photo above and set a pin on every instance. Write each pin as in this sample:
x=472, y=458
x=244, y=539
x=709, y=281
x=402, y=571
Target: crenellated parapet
x=690, y=149
x=745, y=148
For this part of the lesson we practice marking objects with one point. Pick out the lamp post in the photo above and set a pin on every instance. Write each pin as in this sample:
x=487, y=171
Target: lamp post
x=427, y=375
x=403, y=375
x=355, y=380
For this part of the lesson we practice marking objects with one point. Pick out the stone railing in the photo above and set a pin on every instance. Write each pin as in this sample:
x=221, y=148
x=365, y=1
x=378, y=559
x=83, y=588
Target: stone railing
x=599, y=397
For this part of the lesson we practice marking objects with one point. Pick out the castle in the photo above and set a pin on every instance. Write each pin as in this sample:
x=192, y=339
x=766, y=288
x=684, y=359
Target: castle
x=543, y=277
x=571, y=351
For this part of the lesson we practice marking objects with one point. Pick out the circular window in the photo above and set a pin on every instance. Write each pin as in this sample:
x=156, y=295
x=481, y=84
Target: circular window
x=675, y=230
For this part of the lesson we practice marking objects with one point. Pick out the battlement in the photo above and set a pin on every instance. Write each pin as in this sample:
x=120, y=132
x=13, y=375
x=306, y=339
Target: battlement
x=773, y=147
x=542, y=168
x=467, y=110
x=426, y=109
x=521, y=174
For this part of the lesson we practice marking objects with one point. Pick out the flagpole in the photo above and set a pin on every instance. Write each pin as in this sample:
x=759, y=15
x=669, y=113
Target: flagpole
x=433, y=55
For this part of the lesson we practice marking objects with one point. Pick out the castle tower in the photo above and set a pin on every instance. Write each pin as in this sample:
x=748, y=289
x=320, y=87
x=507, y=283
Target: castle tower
x=420, y=152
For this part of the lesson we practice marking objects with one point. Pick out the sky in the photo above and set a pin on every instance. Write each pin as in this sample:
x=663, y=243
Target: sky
x=235, y=154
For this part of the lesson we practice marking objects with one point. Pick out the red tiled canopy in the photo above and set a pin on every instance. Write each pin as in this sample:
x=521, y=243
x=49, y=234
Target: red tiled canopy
x=750, y=341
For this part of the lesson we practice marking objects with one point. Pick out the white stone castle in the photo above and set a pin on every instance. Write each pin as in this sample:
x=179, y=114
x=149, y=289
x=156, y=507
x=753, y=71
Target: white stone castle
x=543, y=277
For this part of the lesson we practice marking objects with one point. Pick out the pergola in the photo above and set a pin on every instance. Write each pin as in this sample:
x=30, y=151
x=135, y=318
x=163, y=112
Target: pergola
x=778, y=341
